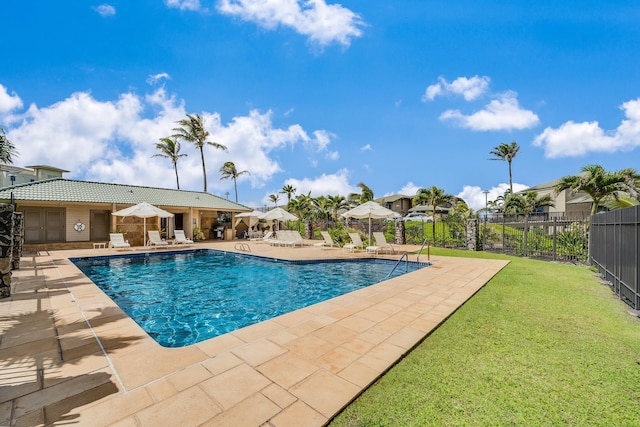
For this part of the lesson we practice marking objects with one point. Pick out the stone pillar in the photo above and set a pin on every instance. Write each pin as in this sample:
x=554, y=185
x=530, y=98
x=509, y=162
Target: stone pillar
x=308, y=229
x=401, y=238
x=473, y=235
x=18, y=238
x=6, y=246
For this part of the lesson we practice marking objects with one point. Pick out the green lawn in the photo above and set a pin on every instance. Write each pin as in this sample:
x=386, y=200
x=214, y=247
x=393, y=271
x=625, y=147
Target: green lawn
x=540, y=344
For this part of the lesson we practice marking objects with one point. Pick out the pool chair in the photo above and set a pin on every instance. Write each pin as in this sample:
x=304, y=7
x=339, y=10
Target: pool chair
x=155, y=239
x=356, y=243
x=268, y=236
x=294, y=238
x=381, y=241
x=180, y=238
x=116, y=240
x=328, y=241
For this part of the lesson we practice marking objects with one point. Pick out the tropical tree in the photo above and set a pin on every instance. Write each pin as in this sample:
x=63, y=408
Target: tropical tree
x=7, y=149
x=274, y=198
x=322, y=209
x=169, y=147
x=506, y=152
x=527, y=203
x=600, y=184
x=366, y=195
x=433, y=197
x=228, y=170
x=192, y=130
x=336, y=203
x=289, y=190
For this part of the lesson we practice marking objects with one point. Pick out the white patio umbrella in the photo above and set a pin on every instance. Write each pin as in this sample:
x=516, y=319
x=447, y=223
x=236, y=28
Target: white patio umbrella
x=279, y=214
x=143, y=210
x=370, y=210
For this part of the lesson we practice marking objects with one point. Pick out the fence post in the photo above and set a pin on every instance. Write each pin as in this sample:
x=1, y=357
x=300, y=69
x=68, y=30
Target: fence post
x=525, y=240
x=555, y=223
x=473, y=235
x=6, y=248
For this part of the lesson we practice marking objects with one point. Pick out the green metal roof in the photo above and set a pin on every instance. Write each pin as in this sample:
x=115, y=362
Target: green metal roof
x=67, y=190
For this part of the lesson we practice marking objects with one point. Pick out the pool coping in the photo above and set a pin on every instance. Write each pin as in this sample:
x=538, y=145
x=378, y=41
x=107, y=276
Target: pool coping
x=96, y=366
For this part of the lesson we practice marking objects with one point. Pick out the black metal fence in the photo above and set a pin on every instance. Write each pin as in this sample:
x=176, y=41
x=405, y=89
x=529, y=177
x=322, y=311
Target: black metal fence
x=614, y=248
x=556, y=238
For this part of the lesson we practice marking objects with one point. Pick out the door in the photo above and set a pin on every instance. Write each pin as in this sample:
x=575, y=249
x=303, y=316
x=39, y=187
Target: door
x=99, y=226
x=44, y=225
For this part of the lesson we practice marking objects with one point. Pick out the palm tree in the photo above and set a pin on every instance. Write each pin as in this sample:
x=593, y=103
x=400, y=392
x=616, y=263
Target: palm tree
x=169, y=147
x=366, y=195
x=228, y=170
x=600, y=184
x=274, y=198
x=192, y=130
x=335, y=204
x=527, y=203
x=289, y=190
x=506, y=152
x=7, y=149
x=434, y=197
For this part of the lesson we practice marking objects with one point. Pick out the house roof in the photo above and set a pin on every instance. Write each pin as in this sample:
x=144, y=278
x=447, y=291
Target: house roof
x=392, y=198
x=67, y=190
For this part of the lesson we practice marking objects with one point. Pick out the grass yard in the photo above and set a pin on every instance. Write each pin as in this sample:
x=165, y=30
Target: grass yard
x=541, y=344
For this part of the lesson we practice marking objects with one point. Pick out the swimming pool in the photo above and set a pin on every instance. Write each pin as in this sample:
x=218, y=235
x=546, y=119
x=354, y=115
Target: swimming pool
x=181, y=298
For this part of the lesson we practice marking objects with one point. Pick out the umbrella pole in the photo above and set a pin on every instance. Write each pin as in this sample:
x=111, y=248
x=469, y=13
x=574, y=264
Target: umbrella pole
x=144, y=232
x=369, y=230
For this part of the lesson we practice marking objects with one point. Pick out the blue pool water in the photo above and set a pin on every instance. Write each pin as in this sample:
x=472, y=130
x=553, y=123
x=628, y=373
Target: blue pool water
x=182, y=298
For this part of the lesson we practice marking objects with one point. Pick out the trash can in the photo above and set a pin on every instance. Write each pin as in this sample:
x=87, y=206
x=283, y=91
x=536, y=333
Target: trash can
x=228, y=234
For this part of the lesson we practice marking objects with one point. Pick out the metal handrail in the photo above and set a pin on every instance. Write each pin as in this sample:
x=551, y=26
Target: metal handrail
x=406, y=264
x=428, y=252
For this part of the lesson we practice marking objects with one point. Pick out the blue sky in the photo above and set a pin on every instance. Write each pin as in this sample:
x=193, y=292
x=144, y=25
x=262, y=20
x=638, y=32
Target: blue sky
x=324, y=95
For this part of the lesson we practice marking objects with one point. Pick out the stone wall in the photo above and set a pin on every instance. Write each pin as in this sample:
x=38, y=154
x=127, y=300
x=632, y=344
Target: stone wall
x=6, y=248
x=401, y=238
x=473, y=235
x=18, y=240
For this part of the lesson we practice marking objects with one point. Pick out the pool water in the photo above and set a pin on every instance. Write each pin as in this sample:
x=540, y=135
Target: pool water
x=182, y=298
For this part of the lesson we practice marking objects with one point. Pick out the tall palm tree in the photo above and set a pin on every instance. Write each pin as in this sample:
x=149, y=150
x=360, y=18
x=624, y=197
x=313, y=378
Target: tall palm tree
x=169, y=147
x=366, y=195
x=527, y=203
x=228, y=170
x=600, y=184
x=7, y=149
x=289, y=190
x=434, y=197
x=192, y=130
x=274, y=198
x=506, y=152
x=336, y=203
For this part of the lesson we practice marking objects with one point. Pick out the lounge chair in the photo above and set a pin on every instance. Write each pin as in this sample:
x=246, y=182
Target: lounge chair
x=155, y=239
x=287, y=238
x=180, y=238
x=328, y=241
x=116, y=240
x=356, y=242
x=381, y=241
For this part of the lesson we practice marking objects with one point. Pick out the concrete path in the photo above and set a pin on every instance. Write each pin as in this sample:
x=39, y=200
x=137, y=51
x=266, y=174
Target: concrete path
x=69, y=355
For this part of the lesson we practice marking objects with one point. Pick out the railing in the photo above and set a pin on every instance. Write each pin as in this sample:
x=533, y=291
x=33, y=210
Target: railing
x=244, y=247
x=421, y=248
x=406, y=264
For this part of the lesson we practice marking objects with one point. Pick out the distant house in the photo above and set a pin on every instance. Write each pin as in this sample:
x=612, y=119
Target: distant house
x=568, y=203
x=14, y=175
x=398, y=203
x=69, y=211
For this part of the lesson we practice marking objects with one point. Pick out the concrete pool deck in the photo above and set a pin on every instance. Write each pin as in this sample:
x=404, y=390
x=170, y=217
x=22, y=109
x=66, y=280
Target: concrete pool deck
x=69, y=355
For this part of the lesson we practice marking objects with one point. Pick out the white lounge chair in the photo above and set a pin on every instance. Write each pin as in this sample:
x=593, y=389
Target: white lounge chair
x=328, y=241
x=180, y=238
x=116, y=240
x=155, y=239
x=381, y=241
x=356, y=243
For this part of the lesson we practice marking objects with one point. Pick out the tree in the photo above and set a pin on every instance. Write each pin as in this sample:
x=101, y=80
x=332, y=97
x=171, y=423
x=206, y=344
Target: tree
x=366, y=195
x=433, y=197
x=192, y=130
x=228, y=170
x=7, y=149
x=335, y=204
x=527, y=203
x=600, y=184
x=289, y=190
x=506, y=152
x=274, y=198
x=170, y=148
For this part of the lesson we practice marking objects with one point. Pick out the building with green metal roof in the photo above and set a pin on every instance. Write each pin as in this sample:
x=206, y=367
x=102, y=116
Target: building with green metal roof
x=63, y=210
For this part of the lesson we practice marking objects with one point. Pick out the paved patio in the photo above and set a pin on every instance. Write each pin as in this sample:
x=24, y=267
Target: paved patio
x=69, y=355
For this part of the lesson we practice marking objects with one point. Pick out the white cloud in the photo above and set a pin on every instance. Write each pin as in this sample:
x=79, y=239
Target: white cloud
x=323, y=23
x=113, y=141
x=193, y=5
x=410, y=189
x=366, y=147
x=333, y=155
x=105, y=10
x=469, y=88
x=475, y=198
x=337, y=183
x=578, y=139
x=503, y=113
x=155, y=78
x=8, y=102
